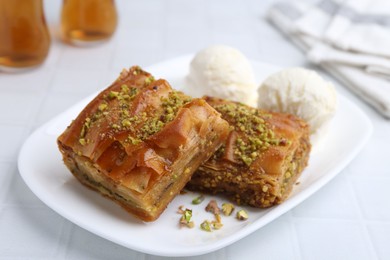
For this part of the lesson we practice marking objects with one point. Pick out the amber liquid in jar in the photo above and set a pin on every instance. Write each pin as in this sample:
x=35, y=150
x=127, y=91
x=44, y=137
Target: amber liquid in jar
x=24, y=37
x=88, y=21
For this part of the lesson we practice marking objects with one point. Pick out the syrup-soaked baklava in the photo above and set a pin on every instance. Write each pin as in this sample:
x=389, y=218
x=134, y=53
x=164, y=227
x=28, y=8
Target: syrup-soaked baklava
x=261, y=159
x=139, y=141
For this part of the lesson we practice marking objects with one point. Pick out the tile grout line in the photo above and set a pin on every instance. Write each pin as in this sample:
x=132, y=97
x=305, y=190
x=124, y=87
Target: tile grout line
x=294, y=234
x=67, y=237
x=361, y=219
x=46, y=93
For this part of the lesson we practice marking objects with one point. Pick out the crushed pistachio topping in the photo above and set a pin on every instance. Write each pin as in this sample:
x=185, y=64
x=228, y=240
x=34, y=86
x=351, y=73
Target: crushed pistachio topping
x=186, y=215
x=103, y=106
x=212, y=207
x=198, y=200
x=212, y=225
x=113, y=94
x=139, y=126
x=137, y=70
x=209, y=226
x=124, y=73
x=133, y=140
x=84, y=130
x=171, y=106
x=252, y=123
x=82, y=141
x=218, y=218
x=181, y=209
x=216, y=225
x=115, y=126
x=206, y=226
x=242, y=215
x=149, y=80
x=85, y=127
x=150, y=127
x=125, y=95
x=227, y=209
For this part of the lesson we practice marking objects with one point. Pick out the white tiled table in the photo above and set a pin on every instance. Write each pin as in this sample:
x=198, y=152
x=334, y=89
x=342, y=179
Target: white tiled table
x=347, y=219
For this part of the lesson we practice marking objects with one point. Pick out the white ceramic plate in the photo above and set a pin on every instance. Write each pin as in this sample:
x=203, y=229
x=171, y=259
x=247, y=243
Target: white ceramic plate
x=41, y=167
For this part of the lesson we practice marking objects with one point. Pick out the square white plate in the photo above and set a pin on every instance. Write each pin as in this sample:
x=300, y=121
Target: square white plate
x=40, y=164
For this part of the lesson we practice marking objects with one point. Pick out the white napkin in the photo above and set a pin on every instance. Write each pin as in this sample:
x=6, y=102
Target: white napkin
x=348, y=38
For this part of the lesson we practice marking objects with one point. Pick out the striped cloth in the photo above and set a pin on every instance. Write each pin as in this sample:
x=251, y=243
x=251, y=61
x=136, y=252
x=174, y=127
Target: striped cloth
x=348, y=38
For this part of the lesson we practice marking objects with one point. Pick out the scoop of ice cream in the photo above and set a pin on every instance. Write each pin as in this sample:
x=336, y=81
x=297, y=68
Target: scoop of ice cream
x=300, y=92
x=223, y=72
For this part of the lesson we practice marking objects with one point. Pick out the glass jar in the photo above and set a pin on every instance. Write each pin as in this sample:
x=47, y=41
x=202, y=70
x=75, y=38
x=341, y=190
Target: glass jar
x=24, y=36
x=88, y=21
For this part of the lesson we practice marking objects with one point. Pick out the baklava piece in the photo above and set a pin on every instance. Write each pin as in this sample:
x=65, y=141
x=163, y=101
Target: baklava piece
x=139, y=141
x=261, y=160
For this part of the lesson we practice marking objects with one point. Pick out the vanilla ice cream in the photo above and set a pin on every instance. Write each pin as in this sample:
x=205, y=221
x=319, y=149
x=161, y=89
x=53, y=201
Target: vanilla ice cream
x=303, y=93
x=223, y=72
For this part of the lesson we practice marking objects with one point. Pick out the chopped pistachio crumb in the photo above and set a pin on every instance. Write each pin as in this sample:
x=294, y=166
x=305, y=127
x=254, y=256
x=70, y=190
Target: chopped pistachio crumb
x=124, y=88
x=149, y=80
x=102, y=106
x=85, y=127
x=150, y=124
x=187, y=215
x=251, y=122
x=205, y=226
x=137, y=70
x=198, y=200
x=113, y=94
x=209, y=225
x=242, y=215
x=227, y=209
x=218, y=218
x=185, y=219
x=115, y=126
x=82, y=141
x=181, y=209
x=247, y=160
x=216, y=225
x=212, y=207
x=126, y=122
x=133, y=140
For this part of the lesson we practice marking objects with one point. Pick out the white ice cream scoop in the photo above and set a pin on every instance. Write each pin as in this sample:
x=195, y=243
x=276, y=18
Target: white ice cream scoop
x=223, y=72
x=303, y=93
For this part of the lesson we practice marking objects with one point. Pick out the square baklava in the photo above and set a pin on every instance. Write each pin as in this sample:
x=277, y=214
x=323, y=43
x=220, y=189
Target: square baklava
x=139, y=141
x=260, y=161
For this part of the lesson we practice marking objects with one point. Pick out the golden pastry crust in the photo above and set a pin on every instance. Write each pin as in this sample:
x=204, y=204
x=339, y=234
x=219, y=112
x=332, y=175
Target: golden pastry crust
x=260, y=161
x=139, y=141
